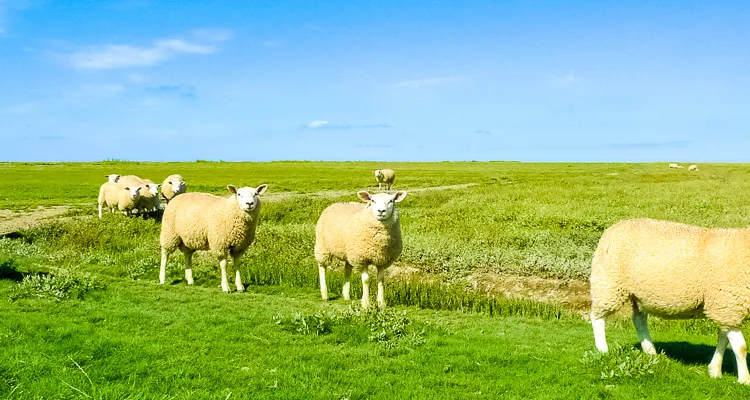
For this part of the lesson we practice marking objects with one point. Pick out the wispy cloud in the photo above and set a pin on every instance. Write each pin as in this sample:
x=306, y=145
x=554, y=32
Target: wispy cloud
x=418, y=83
x=320, y=124
x=113, y=56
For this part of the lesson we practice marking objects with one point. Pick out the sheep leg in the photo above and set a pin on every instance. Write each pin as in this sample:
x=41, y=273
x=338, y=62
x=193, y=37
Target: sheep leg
x=163, y=268
x=188, y=266
x=640, y=320
x=381, y=287
x=323, y=287
x=237, y=278
x=100, y=210
x=365, y=288
x=347, y=282
x=740, y=353
x=600, y=338
x=714, y=368
x=224, y=280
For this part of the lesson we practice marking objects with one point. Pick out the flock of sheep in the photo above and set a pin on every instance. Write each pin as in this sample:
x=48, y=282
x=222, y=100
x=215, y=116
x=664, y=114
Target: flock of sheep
x=693, y=167
x=658, y=267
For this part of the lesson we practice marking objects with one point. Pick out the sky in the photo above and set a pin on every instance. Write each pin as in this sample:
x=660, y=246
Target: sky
x=385, y=80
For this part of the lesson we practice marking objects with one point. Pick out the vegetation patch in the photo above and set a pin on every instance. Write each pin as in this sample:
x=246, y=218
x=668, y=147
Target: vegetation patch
x=388, y=327
x=59, y=285
x=622, y=362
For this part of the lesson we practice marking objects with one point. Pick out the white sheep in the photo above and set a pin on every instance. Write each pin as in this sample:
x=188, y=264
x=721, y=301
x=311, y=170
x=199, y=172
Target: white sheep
x=150, y=200
x=674, y=270
x=675, y=165
x=385, y=176
x=171, y=187
x=360, y=235
x=201, y=221
x=113, y=196
x=130, y=181
x=112, y=178
x=693, y=168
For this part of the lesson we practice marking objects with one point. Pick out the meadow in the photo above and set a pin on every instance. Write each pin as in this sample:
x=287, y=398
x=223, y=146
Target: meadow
x=84, y=317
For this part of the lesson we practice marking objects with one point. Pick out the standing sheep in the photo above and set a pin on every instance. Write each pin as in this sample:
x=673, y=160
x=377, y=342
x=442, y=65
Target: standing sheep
x=130, y=180
x=149, y=201
x=113, y=196
x=385, y=176
x=171, y=187
x=360, y=235
x=674, y=271
x=693, y=168
x=201, y=221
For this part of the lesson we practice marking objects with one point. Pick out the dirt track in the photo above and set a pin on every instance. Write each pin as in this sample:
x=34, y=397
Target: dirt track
x=12, y=221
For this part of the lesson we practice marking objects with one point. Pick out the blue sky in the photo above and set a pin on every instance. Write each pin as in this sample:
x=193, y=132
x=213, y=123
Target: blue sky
x=375, y=80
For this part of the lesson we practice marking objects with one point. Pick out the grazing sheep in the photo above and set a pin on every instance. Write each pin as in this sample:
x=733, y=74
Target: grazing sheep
x=113, y=196
x=674, y=270
x=693, y=168
x=360, y=235
x=201, y=221
x=171, y=187
x=112, y=178
x=385, y=176
x=675, y=165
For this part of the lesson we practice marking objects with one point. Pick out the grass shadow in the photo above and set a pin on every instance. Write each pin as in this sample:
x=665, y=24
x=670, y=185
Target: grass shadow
x=696, y=354
x=9, y=272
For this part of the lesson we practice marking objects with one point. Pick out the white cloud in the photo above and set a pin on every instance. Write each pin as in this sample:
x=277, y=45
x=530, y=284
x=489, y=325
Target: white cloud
x=426, y=82
x=317, y=124
x=112, y=56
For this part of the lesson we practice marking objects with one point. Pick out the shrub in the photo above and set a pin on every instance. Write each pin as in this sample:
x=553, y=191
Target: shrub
x=59, y=285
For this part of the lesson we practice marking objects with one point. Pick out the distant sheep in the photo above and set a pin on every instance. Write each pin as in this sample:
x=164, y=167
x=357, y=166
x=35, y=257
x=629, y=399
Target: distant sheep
x=171, y=187
x=385, y=176
x=360, y=235
x=113, y=196
x=675, y=165
x=201, y=221
x=693, y=168
x=674, y=271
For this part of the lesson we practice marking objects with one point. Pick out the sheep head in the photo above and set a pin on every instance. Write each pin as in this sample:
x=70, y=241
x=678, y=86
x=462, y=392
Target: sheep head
x=247, y=197
x=382, y=204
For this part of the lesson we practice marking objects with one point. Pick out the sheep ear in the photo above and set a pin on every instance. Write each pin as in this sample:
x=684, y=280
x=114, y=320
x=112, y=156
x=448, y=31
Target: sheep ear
x=364, y=196
x=400, y=195
x=260, y=189
x=232, y=189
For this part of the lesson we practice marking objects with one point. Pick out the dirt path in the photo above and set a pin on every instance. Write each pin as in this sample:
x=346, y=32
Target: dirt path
x=12, y=221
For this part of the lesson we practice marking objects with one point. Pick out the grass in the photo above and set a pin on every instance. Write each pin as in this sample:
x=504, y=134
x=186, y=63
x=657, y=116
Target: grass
x=83, y=317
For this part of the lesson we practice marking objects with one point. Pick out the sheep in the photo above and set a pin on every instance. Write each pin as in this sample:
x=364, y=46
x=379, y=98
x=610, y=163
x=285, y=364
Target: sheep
x=130, y=180
x=201, y=221
x=385, y=176
x=112, y=178
x=150, y=200
x=674, y=270
x=693, y=168
x=359, y=235
x=112, y=195
x=675, y=165
x=171, y=187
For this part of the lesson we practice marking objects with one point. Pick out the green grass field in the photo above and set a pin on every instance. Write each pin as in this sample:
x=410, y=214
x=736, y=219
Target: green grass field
x=96, y=324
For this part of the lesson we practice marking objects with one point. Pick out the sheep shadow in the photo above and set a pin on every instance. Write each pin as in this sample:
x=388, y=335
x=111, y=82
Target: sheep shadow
x=695, y=354
x=8, y=272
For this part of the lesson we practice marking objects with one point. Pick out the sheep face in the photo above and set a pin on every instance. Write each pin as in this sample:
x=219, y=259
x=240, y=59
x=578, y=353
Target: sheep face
x=177, y=186
x=113, y=177
x=153, y=188
x=382, y=204
x=247, y=197
x=134, y=191
x=377, y=175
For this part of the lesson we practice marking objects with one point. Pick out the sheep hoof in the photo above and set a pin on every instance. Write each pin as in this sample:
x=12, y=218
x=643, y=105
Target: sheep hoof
x=714, y=371
x=240, y=289
x=744, y=381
